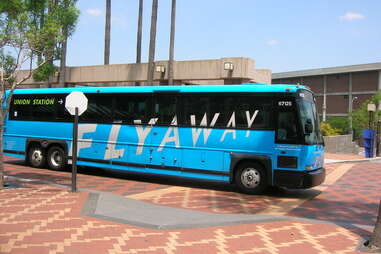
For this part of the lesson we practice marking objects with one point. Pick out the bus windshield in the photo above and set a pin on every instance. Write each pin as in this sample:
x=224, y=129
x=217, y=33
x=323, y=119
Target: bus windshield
x=309, y=116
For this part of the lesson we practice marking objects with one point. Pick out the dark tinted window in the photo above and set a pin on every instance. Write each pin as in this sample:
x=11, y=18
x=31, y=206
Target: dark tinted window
x=99, y=109
x=253, y=112
x=287, y=130
x=128, y=108
x=195, y=107
x=230, y=111
x=39, y=107
x=164, y=108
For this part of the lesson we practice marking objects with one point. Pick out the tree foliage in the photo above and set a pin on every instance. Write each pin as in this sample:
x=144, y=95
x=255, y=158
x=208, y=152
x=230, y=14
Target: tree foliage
x=361, y=115
x=34, y=30
x=340, y=123
x=31, y=33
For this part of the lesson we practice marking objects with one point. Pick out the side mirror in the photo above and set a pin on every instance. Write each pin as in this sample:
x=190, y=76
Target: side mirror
x=308, y=128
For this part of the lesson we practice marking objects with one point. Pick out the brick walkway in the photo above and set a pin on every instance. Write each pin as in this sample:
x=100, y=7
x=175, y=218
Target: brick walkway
x=41, y=218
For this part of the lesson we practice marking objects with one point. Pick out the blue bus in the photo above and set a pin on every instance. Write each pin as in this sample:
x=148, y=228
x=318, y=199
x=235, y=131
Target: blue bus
x=253, y=135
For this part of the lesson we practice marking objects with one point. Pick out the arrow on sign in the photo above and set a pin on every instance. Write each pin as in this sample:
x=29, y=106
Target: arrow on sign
x=60, y=101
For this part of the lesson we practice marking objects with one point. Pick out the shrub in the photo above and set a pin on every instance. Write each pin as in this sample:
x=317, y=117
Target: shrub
x=328, y=130
x=340, y=123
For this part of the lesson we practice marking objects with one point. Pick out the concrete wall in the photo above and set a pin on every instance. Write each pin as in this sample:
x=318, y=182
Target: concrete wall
x=340, y=144
x=192, y=71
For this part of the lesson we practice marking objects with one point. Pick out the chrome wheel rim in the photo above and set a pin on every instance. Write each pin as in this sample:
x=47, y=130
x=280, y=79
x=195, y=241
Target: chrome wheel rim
x=250, y=177
x=56, y=158
x=37, y=156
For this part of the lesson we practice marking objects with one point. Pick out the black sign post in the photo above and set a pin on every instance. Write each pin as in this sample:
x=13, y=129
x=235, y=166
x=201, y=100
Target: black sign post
x=75, y=104
x=74, y=157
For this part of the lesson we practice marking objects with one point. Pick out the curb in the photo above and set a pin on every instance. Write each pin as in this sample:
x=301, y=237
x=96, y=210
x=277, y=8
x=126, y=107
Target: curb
x=355, y=160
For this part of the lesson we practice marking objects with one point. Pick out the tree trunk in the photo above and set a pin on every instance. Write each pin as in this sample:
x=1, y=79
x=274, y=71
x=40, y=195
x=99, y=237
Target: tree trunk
x=172, y=43
x=61, y=82
x=139, y=36
x=152, y=41
x=375, y=239
x=50, y=54
x=2, y=183
x=107, y=32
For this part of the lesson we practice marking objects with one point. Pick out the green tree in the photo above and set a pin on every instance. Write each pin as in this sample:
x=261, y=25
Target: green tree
x=31, y=34
x=361, y=115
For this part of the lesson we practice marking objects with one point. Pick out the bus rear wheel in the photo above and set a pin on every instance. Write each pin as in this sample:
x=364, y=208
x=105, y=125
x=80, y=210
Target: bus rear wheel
x=250, y=178
x=36, y=157
x=56, y=158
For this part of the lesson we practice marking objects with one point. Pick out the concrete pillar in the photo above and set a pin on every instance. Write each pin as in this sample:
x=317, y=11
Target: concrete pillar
x=379, y=79
x=324, y=98
x=350, y=103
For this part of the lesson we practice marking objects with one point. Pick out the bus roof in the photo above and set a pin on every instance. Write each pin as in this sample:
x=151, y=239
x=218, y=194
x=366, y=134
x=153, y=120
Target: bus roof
x=248, y=87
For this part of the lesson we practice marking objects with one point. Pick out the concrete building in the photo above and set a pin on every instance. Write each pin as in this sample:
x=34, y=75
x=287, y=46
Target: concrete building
x=234, y=70
x=338, y=89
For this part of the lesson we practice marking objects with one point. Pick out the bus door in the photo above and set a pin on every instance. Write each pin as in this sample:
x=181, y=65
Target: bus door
x=165, y=151
x=131, y=125
x=287, y=135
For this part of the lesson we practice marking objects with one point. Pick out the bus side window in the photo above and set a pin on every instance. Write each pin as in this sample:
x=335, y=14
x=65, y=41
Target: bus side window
x=99, y=109
x=128, y=108
x=21, y=111
x=195, y=107
x=255, y=109
x=165, y=108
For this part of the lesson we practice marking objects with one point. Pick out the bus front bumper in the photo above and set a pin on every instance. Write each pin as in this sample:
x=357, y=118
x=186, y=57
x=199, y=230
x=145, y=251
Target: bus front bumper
x=299, y=179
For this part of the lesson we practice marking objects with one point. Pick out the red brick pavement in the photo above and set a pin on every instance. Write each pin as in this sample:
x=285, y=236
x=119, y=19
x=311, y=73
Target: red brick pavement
x=59, y=228
x=105, y=182
x=201, y=199
x=353, y=198
x=38, y=218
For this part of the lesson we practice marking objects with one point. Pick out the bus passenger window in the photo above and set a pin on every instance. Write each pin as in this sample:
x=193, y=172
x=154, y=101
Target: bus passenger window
x=98, y=109
x=165, y=108
x=132, y=109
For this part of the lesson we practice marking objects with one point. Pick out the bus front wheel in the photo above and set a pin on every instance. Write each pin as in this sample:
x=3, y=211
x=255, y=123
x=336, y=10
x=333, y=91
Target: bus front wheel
x=250, y=178
x=36, y=157
x=56, y=158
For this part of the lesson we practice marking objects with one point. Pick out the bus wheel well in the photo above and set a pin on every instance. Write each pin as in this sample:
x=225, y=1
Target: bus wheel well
x=55, y=144
x=245, y=161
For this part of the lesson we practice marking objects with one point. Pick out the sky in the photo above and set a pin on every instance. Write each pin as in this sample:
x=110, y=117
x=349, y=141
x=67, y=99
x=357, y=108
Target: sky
x=279, y=35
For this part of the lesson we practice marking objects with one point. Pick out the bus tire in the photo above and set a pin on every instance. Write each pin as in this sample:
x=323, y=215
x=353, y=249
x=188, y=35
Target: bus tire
x=250, y=178
x=56, y=158
x=36, y=156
